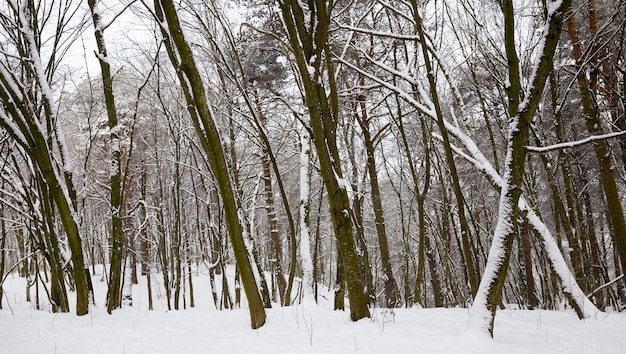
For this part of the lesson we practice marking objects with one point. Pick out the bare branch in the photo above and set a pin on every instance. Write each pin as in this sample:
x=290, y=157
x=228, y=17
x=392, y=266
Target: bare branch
x=571, y=144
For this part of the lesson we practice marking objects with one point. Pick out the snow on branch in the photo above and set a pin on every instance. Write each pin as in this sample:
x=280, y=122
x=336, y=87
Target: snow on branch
x=103, y=26
x=385, y=83
x=406, y=37
x=606, y=285
x=12, y=129
x=49, y=104
x=571, y=144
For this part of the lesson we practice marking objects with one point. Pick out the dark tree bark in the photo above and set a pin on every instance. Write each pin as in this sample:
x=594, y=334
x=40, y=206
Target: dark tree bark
x=531, y=292
x=391, y=288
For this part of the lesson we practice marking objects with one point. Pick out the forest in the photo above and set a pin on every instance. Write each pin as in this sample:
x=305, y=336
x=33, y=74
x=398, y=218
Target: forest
x=390, y=153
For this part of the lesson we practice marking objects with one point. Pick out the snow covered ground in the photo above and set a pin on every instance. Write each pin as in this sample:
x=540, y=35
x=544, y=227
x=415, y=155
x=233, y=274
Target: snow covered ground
x=306, y=328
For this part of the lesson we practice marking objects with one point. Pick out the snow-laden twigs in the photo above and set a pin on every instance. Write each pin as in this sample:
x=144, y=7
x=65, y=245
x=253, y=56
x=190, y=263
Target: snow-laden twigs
x=606, y=285
x=394, y=88
x=571, y=144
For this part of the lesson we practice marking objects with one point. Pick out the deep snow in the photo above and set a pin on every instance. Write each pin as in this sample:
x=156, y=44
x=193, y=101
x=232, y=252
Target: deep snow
x=304, y=328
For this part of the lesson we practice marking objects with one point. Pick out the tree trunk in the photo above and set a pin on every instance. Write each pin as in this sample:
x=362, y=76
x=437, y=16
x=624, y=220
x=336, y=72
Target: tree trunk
x=269, y=160
x=308, y=278
x=468, y=253
x=202, y=119
x=357, y=219
x=272, y=221
x=311, y=49
x=531, y=293
x=114, y=293
x=391, y=288
x=340, y=286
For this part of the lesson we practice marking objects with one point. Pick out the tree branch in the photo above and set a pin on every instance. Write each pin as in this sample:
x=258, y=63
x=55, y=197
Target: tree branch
x=571, y=144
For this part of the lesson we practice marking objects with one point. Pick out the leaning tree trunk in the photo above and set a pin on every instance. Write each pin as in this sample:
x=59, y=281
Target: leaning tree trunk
x=23, y=125
x=191, y=82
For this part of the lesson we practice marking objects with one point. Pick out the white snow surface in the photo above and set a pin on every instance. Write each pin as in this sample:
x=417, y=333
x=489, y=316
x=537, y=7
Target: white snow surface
x=306, y=328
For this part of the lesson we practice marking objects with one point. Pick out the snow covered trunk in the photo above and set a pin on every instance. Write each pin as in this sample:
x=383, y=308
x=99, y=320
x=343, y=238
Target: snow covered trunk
x=305, y=208
x=127, y=288
x=249, y=230
x=276, y=261
x=489, y=295
x=577, y=298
